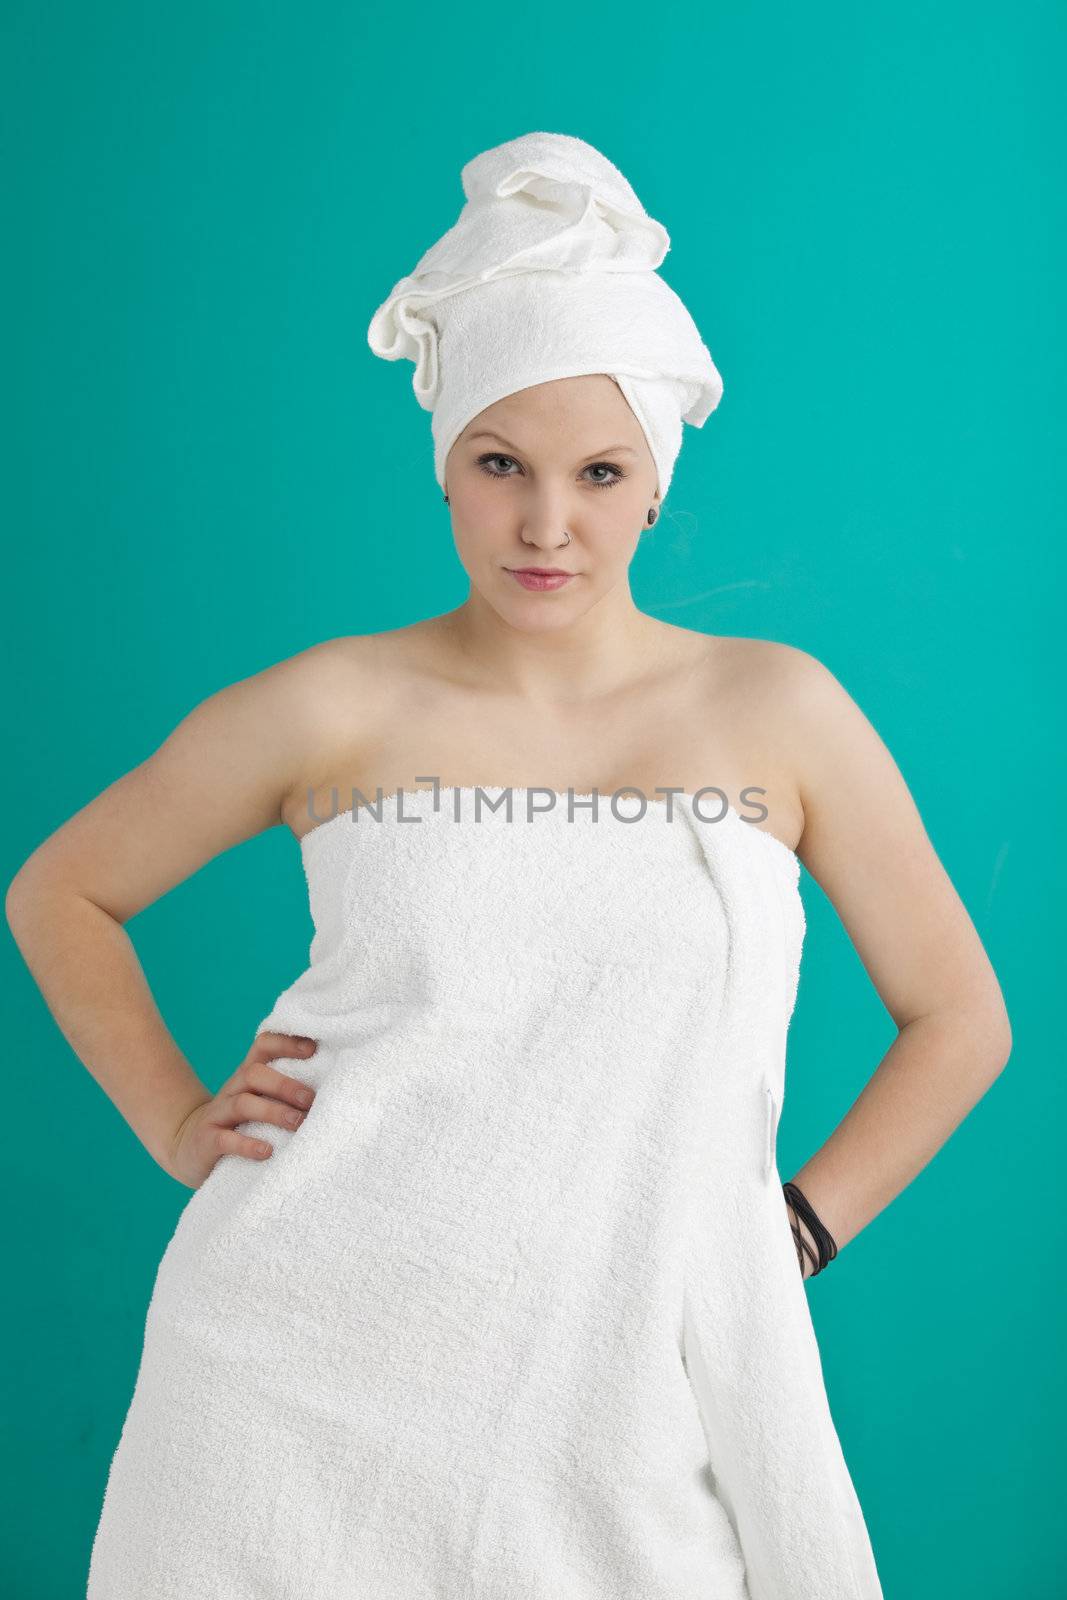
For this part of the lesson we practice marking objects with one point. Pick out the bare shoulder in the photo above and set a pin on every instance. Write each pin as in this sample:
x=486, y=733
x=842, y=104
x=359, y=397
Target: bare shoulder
x=838, y=759
x=866, y=845
x=752, y=688
x=219, y=776
x=370, y=657
x=804, y=727
x=767, y=667
x=322, y=674
x=328, y=682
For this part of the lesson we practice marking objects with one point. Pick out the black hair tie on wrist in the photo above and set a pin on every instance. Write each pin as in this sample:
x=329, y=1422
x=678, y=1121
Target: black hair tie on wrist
x=822, y=1236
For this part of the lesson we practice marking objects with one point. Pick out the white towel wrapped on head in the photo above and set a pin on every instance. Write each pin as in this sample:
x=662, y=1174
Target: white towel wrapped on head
x=549, y=272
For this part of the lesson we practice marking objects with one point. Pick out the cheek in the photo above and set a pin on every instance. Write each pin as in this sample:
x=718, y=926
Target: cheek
x=478, y=545
x=611, y=550
x=480, y=552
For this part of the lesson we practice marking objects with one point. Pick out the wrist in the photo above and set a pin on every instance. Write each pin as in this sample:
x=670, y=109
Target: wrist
x=802, y=1236
x=169, y=1124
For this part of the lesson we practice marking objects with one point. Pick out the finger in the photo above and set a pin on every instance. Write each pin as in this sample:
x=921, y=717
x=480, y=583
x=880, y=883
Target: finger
x=266, y=1046
x=265, y=1079
x=248, y=1107
x=232, y=1143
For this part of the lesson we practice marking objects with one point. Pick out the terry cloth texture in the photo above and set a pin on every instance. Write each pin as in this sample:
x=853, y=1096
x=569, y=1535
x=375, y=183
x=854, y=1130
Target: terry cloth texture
x=549, y=272
x=515, y=1314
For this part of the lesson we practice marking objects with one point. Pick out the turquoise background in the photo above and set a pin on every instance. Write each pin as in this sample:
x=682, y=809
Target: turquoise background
x=206, y=470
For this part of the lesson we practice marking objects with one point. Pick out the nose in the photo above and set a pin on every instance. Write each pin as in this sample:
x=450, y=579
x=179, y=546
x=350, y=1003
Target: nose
x=545, y=524
x=546, y=539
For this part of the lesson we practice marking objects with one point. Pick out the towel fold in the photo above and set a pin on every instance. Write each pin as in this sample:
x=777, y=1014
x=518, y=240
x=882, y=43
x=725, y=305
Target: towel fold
x=549, y=272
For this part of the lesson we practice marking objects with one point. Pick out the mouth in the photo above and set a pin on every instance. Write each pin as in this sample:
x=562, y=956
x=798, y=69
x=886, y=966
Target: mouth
x=540, y=577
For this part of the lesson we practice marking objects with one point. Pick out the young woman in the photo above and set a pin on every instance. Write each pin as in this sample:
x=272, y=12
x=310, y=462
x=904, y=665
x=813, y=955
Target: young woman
x=488, y=1284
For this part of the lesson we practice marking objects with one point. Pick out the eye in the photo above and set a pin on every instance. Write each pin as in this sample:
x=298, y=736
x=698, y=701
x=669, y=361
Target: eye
x=605, y=466
x=483, y=462
x=597, y=466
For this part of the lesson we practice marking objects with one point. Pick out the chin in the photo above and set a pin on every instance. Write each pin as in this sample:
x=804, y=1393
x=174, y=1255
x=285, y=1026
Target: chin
x=536, y=613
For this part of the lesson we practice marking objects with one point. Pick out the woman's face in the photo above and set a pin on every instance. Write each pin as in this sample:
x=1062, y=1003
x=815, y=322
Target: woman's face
x=563, y=457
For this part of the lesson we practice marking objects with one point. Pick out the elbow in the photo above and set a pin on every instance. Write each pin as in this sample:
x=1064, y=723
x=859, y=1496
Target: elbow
x=1006, y=1042
x=1001, y=1026
x=22, y=891
x=996, y=1030
x=980, y=1029
x=13, y=898
x=989, y=1025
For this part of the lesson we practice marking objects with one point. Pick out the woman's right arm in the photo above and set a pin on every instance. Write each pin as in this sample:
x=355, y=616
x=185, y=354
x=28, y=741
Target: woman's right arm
x=221, y=776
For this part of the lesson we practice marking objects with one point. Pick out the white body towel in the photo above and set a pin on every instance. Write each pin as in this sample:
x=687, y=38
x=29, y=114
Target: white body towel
x=516, y=1313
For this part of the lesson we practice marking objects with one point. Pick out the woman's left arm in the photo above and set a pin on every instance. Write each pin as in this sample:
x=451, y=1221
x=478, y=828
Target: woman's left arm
x=865, y=844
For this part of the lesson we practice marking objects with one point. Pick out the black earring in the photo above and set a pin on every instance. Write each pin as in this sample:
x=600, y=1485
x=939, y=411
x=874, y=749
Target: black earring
x=446, y=499
x=652, y=515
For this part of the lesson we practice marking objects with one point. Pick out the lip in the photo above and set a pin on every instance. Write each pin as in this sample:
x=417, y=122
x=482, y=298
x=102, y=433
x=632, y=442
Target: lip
x=541, y=578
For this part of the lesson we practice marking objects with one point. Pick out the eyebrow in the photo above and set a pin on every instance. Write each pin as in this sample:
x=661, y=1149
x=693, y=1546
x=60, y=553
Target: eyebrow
x=609, y=450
